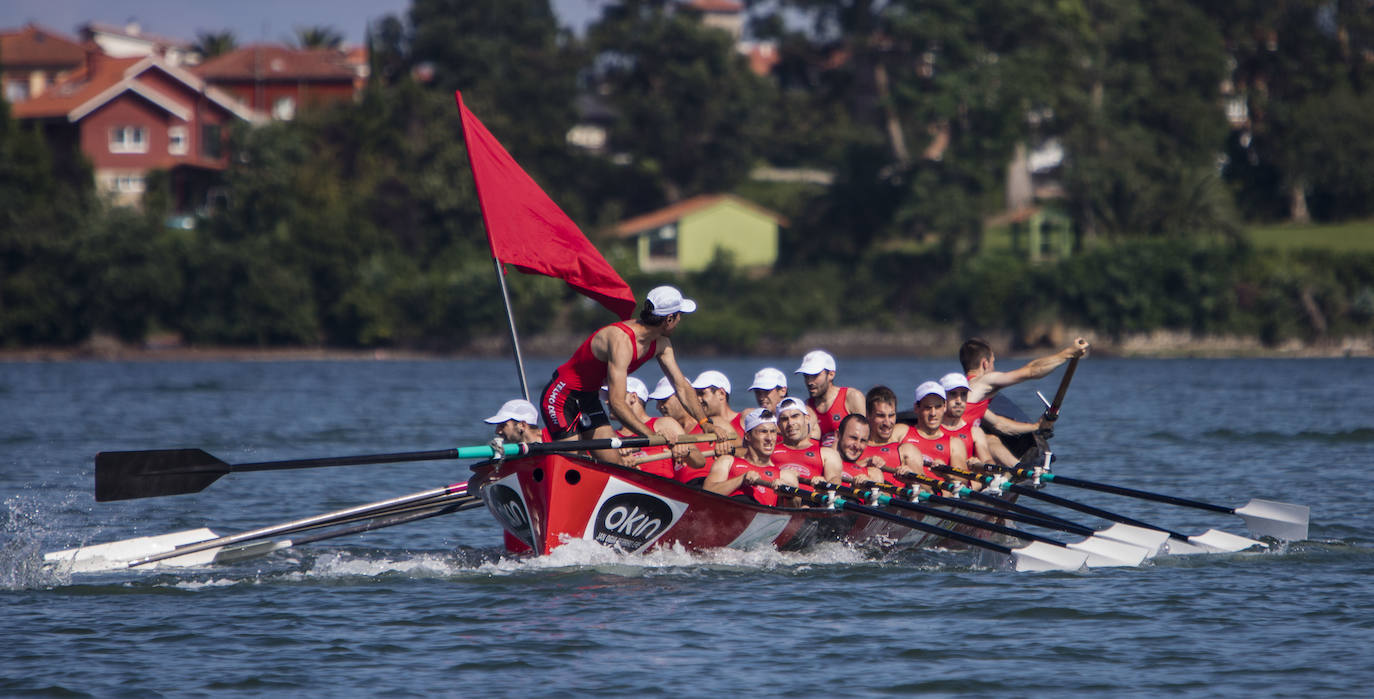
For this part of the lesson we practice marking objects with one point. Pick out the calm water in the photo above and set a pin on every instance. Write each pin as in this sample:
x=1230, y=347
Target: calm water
x=434, y=608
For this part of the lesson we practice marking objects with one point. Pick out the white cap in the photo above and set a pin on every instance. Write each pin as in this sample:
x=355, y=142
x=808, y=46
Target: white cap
x=632, y=385
x=815, y=362
x=953, y=380
x=768, y=379
x=710, y=378
x=667, y=300
x=929, y=388
x=517, y=409
x=662, y=389
x=754, y=418
x=791, y=403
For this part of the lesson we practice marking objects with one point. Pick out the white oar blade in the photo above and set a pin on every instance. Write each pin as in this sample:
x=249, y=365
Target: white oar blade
x=1211, y=541
x=116, y=555
x=1038, y=556
x=1281, y=520
x=1105, y=553
x=1152, y=540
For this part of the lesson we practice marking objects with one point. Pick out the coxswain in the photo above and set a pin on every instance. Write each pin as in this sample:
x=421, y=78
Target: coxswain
x=517, y=421
x=850, y=443
x=569, y=403
x=798, y=451
x=737, y=475
x=978, y=360
x=885, y=433
x=830, y=402
x=770, y=387
x=927, y=444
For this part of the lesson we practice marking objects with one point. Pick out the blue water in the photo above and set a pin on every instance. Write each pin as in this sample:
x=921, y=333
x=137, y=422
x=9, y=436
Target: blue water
x=435, y=608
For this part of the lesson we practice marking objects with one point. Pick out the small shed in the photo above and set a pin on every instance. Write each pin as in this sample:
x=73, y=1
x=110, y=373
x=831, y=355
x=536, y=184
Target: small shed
x=684, y=237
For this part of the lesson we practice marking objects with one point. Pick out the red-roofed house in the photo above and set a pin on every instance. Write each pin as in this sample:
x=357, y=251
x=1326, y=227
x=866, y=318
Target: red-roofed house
x=133, y=115
x=129, y=41
x=684, y=237
x=33, y=58
x=276, y=81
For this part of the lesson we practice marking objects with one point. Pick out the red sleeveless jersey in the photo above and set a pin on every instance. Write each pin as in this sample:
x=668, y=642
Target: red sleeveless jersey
x=806, y=461
x=684, y=472
x=662, y=467
x=765, y=496
x=890, y=457
x=963, y=434
x=973, y=414
x=584, y=372
x=737, y=424
x=829, y=418
x=936, y=449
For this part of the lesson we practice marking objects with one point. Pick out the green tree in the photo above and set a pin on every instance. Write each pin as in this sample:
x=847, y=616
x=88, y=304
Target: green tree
x=317, y=37
x=211, y=44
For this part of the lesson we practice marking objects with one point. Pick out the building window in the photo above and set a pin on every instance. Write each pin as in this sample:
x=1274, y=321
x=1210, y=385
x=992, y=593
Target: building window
x=663, y=242
x=284, y=109
x=210, y=144
x=132, y=184
x=16, y=91
x=176, y=140
x=128, y=139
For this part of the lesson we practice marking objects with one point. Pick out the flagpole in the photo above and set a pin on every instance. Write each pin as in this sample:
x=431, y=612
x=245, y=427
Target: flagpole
x=514, y=337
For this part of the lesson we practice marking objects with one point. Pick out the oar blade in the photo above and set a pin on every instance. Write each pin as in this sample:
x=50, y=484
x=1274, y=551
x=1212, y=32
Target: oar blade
x=126, y=475
x=1152, y=540
x=1211, y=541
x=116, y=555
x=1281, y=520
x=1038, y=556
x=1105, y=553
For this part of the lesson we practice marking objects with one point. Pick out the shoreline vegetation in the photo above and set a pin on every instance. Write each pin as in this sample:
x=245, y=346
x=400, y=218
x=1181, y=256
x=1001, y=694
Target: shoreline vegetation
x=1160, y=344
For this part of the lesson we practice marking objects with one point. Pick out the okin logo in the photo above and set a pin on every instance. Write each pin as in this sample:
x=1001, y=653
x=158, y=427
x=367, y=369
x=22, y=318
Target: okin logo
x=631, y=520
x=506, y=505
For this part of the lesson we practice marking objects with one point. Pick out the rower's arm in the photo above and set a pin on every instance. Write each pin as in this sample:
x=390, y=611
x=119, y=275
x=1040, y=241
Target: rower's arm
x=832, y=468
x=813, y=429
x=911, y=457
x=621, y=351
x=719, y=481
x=1008, y=426
x=685, y=393
x=958, y=455
x=1037, y=368
x=854, y=402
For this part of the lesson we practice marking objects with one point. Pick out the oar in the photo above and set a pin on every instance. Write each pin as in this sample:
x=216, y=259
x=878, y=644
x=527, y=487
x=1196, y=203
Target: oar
x=1035, y=556
x=1210, y=541
x=141, y=550
x=1151, y=540
x=125, y=475
x=1280, y=520
x=1052, y=410
x=1101, y=553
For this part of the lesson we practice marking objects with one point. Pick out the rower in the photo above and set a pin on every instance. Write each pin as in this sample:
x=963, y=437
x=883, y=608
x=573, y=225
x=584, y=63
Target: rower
x=830, y=402
x=798, y=451
x=517, y=421
x=770, y=387
x=636, y=394
x=713, y=391
x=736, y=475
x=851, y=442
x=693, y=469
x=927, y=443
x=885, y=434
x=978, y=445
x=985, y=381
x=570, y=404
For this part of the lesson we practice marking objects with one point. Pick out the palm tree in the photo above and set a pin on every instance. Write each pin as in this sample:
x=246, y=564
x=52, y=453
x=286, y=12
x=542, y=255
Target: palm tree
x=318, y=37
x=211, y=44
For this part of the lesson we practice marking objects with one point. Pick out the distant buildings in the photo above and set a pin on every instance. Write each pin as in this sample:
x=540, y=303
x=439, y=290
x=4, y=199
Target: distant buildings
x=135, y=102
x=685, y=236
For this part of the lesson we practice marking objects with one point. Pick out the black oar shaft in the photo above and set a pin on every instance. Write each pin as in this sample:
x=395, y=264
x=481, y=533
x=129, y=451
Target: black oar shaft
x=1089, y=509
x=1141, y=494
x=1032, y=520
x=969, y=521
x=1053, y=411
x=923, y=526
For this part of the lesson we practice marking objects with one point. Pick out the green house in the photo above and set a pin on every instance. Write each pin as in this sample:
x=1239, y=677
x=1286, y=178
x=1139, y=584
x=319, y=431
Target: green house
x=684, y=237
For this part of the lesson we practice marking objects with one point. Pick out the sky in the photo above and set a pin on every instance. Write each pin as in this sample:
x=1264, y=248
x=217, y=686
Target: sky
x=250, y=20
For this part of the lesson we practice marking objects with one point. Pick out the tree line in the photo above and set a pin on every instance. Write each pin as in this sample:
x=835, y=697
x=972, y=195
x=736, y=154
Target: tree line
x=357, y=225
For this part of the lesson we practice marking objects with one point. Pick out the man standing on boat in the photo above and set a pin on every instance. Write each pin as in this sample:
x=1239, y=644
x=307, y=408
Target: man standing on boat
x=570, y=404
x=517, y=421
x=830, y=402
x=985, y=381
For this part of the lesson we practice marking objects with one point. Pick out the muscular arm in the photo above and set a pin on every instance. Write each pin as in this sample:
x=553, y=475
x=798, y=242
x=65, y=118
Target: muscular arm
x=619, y=350
x=854, y=402
x=1008, y=426
x=991, y=382
x=813, y=424
x=719, y=480
x=831, y=465
x=685, y=393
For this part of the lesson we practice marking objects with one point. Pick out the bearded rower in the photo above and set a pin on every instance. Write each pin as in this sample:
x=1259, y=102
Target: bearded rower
x=713, y=393
x=517, y=421
x=798, y=451
x=850, y=443
x=830, y=402
x=770, y=387
x=570, y=404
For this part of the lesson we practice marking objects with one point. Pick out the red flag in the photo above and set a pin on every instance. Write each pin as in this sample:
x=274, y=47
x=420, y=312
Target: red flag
x=526, y=229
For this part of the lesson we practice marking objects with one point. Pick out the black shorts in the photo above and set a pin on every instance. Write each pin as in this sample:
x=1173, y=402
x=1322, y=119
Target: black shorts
x=567, y=412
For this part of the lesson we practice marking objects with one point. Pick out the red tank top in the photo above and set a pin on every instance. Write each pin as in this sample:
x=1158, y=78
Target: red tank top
x=765, y=496
x=854, y=470
x=662, y=467
x=973, y=414
x=936, y=449
x=963, y=434
x=737, y=423
x=806, y=461
x=685, y=472
x=889, y=454
x=584, y=372
x=829, y=418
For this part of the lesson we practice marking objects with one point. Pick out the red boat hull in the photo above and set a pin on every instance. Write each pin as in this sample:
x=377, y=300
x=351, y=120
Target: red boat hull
x=547, y=500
